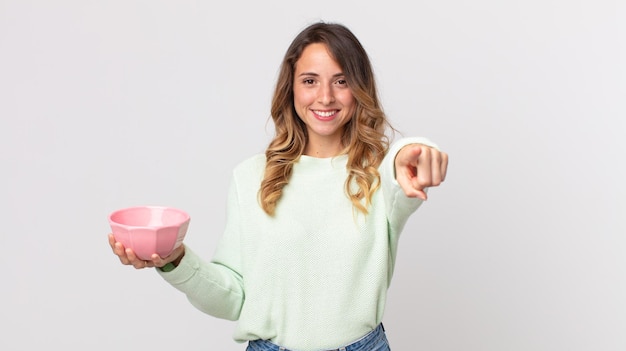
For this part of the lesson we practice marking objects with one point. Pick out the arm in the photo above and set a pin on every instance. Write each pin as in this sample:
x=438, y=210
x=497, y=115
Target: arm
x=214, y=287
x=407, y=160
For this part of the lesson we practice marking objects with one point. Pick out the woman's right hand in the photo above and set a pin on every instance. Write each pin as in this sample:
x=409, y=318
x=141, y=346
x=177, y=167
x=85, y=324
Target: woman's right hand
x=127, y=256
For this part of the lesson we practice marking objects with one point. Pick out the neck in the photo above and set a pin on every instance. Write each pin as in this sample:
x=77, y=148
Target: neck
x=322, y=150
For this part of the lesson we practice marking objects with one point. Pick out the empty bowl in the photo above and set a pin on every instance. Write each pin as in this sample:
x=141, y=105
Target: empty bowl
x=149, y=229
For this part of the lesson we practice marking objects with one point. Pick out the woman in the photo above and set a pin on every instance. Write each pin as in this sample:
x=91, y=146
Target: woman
x=312, y=226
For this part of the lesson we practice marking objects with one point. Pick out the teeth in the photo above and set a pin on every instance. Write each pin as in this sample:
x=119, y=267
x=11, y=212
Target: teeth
x=325, y=113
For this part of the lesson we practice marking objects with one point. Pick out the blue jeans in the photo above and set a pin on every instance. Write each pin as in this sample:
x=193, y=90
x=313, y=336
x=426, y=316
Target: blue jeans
x=376, y=340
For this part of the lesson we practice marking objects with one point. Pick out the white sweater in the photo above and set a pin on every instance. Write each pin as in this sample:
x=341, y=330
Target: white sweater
x=314, y=276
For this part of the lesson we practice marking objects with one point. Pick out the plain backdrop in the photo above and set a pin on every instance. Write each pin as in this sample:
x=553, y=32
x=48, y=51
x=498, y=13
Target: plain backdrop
x=108, y=104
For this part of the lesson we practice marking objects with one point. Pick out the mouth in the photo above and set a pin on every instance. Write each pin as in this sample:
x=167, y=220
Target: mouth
x=325, y=115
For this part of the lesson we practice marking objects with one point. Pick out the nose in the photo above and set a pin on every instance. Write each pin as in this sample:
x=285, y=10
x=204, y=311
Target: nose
x=326, y=94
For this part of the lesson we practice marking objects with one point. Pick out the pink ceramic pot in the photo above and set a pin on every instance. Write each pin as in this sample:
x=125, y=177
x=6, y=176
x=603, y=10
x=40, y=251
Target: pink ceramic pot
x=149, y=229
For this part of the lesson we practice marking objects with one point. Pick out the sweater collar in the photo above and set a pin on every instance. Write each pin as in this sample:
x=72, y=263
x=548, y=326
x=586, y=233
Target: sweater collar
x=310, y=165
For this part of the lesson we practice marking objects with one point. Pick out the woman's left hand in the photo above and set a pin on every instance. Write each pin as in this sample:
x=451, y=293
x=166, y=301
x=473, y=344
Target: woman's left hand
x=419, y=167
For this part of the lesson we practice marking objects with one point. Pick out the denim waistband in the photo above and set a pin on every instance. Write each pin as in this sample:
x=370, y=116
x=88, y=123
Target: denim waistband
x=361, y=344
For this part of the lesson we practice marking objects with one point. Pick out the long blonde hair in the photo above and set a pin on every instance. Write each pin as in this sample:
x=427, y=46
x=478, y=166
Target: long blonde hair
x=364, y=137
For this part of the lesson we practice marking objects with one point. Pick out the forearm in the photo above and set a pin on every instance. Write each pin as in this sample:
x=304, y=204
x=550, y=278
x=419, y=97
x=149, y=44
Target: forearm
x=211, y=287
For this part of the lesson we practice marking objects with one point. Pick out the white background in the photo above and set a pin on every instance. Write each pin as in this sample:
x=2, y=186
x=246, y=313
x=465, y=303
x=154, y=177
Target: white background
x=108, y=104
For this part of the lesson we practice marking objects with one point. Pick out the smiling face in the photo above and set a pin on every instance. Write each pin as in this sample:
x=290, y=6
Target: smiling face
x=322, y=100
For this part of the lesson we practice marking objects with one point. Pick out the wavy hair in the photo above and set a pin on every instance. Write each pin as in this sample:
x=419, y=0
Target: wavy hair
x=364, y=138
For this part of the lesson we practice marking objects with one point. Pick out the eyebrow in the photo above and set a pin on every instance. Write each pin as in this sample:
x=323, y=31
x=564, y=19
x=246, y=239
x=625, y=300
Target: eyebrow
x=317, y=75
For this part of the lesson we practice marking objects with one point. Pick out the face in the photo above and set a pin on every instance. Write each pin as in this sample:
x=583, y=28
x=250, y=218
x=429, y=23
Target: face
x=322, y=99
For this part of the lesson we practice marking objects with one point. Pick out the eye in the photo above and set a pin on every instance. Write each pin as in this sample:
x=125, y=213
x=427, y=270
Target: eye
x=341, y=82
x=308, y=81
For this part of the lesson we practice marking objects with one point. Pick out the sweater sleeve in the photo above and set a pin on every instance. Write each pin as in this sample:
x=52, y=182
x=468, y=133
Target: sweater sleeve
x=214, y=287
x=397, y=205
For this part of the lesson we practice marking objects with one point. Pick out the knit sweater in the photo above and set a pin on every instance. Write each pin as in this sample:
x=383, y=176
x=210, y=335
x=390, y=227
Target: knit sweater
x=315, y=275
